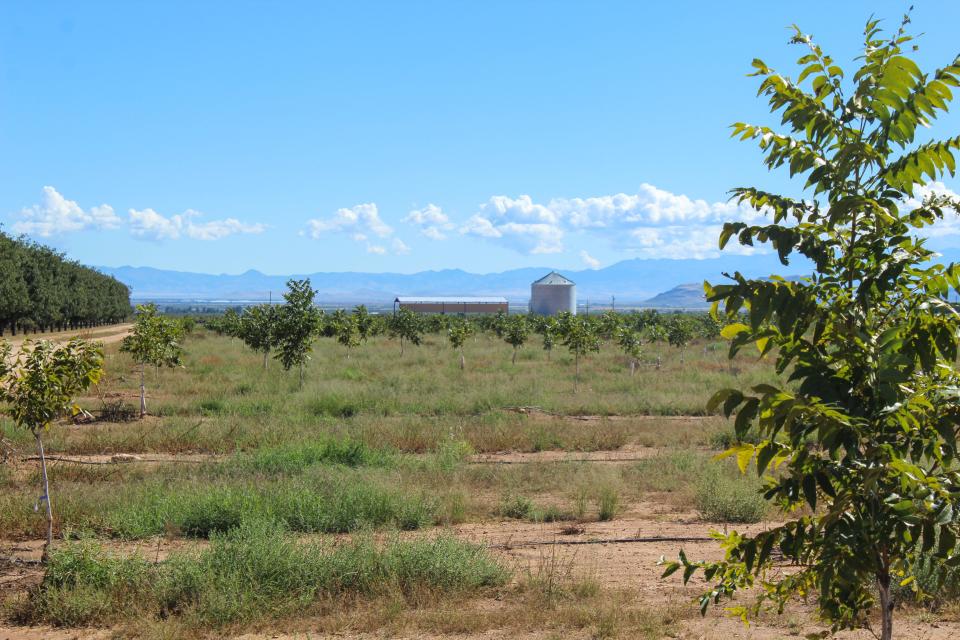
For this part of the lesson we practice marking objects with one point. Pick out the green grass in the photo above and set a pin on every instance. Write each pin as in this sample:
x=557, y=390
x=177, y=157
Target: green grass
x=254, y=571
x=326, y=504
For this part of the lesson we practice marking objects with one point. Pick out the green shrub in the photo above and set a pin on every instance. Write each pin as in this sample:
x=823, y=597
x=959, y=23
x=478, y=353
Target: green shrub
x=515, y=506
x=333, y=406
x=725, y=495
x=608, y=503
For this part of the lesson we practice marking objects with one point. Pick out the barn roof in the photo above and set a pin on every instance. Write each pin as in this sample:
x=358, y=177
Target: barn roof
x=554, y=278
x=451, y=300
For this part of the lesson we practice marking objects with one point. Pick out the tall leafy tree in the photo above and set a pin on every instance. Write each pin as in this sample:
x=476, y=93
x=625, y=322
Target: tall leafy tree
x=14, y=295
x=296, y=326
x=154, y=340
x=41, y=291
x=38, y=386
x=865, y=432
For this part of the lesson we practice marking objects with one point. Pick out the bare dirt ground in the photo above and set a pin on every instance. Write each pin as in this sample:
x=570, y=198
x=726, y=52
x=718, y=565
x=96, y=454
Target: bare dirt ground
x=106, y=335
x=627, y=453
x=620, y=555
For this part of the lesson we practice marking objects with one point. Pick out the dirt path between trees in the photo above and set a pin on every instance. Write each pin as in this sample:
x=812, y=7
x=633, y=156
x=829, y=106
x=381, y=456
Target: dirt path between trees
x=106, y=335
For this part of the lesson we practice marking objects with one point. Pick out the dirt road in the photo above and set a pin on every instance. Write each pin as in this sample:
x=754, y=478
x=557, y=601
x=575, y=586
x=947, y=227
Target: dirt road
x=106, y=335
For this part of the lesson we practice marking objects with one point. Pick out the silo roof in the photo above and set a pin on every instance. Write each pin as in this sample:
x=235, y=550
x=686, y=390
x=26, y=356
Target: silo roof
x=554, y=278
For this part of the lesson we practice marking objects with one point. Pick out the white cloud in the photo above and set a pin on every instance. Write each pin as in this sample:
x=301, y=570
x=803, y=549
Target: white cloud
x=649, y=223
x=433, y=222
x=361, y=219
x=519, y=223
x=55, y=215
x=377, y=249
x=148, y=224
x=589, y=260
x=399, y=247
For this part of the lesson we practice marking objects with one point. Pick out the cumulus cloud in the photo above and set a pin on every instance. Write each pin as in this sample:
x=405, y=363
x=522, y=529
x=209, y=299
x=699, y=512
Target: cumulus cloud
x=55, y=215
x=650, y=223
x=363, y=222
x=433, y=222
x=589, y=260
x=150, y=225
x=518, y=223
x=359, y=220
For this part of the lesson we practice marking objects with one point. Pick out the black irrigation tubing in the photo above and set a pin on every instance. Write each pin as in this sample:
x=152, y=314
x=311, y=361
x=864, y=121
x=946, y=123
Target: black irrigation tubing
x=559, y=460
x=545, y=543
x=110, y=462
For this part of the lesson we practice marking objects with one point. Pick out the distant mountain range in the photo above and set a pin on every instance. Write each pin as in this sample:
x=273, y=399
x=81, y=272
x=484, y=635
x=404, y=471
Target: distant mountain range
x=666, y=283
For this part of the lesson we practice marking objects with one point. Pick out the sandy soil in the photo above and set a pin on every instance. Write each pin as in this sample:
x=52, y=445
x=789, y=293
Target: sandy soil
x=528, y=548
x=113, y=333
x=627, y=453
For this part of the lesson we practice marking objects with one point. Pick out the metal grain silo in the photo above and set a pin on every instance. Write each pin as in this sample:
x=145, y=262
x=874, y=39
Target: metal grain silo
x=552, y=294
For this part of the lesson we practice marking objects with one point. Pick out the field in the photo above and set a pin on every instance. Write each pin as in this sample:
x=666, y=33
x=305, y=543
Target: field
x=392, y=495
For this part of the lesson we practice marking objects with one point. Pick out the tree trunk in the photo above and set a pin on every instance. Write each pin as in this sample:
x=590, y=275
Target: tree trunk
x=401, y=346
x=463, y=362
x=633, y=367
x=46, y=498
x=301, y=376
x=513, y=360
x=576, y=379
x=265, y=354
x=886, y=606
x=143, y=392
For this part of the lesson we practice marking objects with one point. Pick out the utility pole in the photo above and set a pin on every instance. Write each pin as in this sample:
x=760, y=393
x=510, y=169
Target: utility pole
x=613, y=303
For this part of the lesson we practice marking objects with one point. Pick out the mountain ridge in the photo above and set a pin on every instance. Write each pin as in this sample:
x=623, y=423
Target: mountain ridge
x=631, y=281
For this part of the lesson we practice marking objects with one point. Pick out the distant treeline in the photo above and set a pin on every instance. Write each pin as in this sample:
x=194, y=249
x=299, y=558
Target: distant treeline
x=42, y=291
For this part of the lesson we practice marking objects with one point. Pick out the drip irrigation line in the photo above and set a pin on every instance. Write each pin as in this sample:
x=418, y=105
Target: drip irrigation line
x=560, y=460
x=544, y=543
x=110, y=462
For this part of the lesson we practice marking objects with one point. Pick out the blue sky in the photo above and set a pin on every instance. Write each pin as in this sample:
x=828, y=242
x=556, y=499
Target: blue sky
x=296, y=137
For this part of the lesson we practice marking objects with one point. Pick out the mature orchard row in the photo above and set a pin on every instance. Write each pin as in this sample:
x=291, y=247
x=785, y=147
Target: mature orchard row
x=42, y=291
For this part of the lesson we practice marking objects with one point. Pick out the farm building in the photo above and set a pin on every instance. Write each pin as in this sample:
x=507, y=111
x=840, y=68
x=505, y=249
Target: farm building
x=451, y=304
x=552, y=294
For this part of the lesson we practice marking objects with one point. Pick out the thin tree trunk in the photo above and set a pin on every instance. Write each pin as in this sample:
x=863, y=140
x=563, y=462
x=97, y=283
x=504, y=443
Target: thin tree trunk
x=576, y=379
x=143, y=392
x=463, y=362
x=401, y=346
x=301, y=376
x=265, y=354
x=633, y=367
x=46, y=498
x=886, y=606
x=513, y=360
